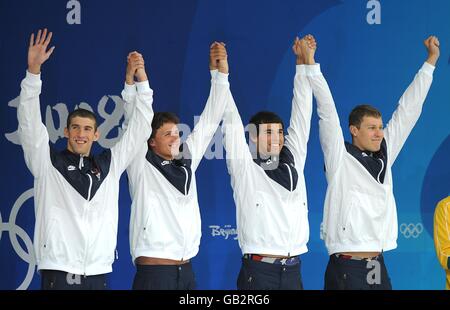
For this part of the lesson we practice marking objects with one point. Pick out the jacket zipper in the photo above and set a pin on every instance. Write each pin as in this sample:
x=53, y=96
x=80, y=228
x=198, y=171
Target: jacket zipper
x=381, y=170
x=88, y=199
x=186, y=182
x=185, y=193
x=292, y=186
x=290, y=176
x=90, y=187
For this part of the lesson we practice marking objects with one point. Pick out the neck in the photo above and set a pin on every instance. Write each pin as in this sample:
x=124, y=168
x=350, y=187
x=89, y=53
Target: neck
x=355, y=143
x=79, y=154
x=165, y=157
x=264, y=156
x=162, y=155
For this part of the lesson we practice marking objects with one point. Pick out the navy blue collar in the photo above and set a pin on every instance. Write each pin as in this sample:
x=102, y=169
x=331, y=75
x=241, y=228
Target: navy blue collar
x=280, y=169
x=374, y=162
x=177, y=171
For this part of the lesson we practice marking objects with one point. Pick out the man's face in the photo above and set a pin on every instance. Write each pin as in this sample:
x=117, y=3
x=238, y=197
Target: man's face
x=166, y=142
x=81, y=134
x=270, y=139
x=369, y=135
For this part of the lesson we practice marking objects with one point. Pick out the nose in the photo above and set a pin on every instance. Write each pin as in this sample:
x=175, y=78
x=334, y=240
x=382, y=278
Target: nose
x=277, y=138
x=379, y=134
x=78, y=132
x=81, y=133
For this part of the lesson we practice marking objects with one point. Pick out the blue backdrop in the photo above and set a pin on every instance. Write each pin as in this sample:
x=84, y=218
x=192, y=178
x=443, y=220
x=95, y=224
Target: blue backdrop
x=369, y=51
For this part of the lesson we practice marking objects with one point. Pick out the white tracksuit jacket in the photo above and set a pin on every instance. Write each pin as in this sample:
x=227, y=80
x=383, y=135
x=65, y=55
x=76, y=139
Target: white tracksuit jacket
x=360, y=212
x=165, y=217
x=75, y=197
x=271, y=205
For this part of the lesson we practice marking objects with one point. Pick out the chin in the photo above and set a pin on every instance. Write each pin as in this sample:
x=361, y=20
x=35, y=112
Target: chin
x=275, y=152
x=272, y=154
x=174, y=153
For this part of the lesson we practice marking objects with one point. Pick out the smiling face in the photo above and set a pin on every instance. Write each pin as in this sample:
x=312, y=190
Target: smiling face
x=81, y=133
x=166, y=141
x=369, y=135
x=270, y=139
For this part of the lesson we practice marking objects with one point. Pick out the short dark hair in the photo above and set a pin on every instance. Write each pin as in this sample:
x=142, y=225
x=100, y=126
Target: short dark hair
x=160, y=118
x=357, y=114
x=81, y=113
x=265, y=117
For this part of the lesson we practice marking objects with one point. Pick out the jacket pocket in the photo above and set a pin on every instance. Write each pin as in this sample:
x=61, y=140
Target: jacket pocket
x=143, y=230
x=302, y=227
x=253, y=220
x=362, y=217
x=344, y=221
x=47, y=240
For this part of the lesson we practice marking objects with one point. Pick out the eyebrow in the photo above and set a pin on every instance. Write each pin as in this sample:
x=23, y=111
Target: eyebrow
x=77, y=125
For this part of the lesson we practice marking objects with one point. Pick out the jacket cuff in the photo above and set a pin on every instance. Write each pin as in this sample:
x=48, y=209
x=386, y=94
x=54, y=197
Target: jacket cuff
x=129, y=89
x=33, y=78
x=427, y=69
x=143, y=87
x=221, y=78
x=300, y=69
x=313, y=70
x=213, y=73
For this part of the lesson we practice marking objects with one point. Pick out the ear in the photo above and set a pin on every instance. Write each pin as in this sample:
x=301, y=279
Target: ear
x=96, y=135
x=354, y=130
x=66, y=132
x=253, y=138
x=151, y=142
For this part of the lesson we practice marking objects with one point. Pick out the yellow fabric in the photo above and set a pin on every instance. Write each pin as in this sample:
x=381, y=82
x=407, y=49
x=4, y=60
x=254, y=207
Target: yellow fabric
x=442, y=235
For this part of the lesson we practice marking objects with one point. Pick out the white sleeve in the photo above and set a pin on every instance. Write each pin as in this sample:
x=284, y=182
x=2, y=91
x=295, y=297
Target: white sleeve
x=330, y=131
x=408, y=111
x=32, y=132
x=238, y=155
x=210, y=118
x=129, y=94
x=300, y=124
x=138, y=129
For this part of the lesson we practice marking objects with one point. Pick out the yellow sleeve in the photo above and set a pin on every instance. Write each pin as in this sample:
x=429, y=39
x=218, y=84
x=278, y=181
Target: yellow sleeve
x=442, y=232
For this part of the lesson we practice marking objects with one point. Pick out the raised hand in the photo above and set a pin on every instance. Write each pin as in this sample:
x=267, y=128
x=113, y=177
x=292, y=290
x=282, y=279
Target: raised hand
x=432, y=45
x=212, y=59
x=37, y=51
x=308, y=46
x=135, y=68
x=298, y=52
x=218, y=58
x=305, y=49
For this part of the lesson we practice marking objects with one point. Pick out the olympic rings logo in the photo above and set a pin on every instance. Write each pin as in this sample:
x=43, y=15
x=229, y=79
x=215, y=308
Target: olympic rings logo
x=411, y=230
x=14, y=230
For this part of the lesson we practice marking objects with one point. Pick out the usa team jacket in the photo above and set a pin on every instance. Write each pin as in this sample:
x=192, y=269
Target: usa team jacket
x=359, y=211
x=270, y=195
x=75, y=197
x=165, y=217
